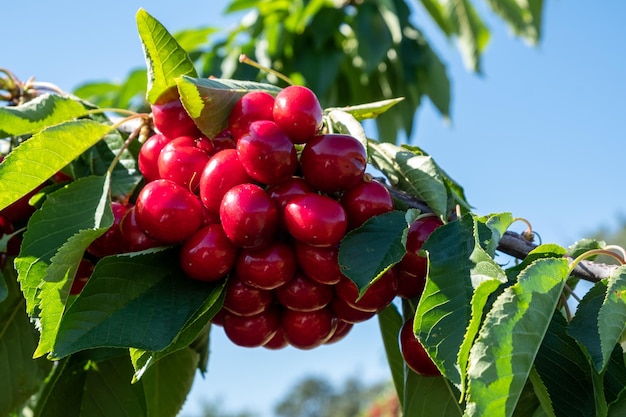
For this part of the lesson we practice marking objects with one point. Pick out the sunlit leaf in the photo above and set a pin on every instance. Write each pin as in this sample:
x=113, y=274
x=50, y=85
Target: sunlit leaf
x=427, y=396
x=390, y=322
x=44, y=154
x=368, y=110
x=471, y=30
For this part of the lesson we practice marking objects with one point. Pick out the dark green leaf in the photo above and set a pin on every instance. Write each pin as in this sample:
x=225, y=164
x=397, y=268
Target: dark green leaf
x=472, y=32
x=125, y=287
x=374, y=36
x=503, y=354
x=4, y=290
x=209, y=101
x=365, y=253
x=429, y=397
x=44, y=154
x=166, y=60
x=439, y=15
x=43, y=111
x=615, y=376
x=524, y=19
x=583, y=246
x=390, y=322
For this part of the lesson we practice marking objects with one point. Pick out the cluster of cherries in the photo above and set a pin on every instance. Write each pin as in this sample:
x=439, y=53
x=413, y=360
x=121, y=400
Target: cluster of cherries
x=265, y=203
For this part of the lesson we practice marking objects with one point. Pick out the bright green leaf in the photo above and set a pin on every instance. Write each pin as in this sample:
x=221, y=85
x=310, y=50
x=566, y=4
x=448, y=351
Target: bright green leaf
x=123, y=288
x=44, y=154
x=209, y=101
x=43, y=111
x=365, y=253
x=345, y=123
x=472, y=32
x=437, y=12
x=166, y=60
x=369, y=110
x=503, y=354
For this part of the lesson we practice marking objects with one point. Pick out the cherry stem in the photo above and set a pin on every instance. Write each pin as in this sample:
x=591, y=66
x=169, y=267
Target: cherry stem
x=528, y=234
x=568, y=313
x=243, y=58
x=134, y=134
x=571, y=292
x=130, y=113
x=620, y=259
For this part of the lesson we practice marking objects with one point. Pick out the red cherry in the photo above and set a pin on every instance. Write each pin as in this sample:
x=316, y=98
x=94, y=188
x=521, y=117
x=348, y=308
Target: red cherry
x=182, y=162
x=319, y=263
x=285, y=191
x=223, y=171
x=344, y=311
x=85, y=268
x=315, y=219
x=307, y=329
x=266, y=153
x=111, y=242
x=376, y=297
x=149, y=156
x=207, y=255
x=133, y=238
x=245, y=300
x=341, y=330
x=252, y=106
x=414, y=353
x=268, y=267
x=366, y=200
x=277, y=341
x=223, y=140
x=249, y=216
x=168, y=212
x=419, y=231
x=333, y=162
x=172, y=120
x=251, y=331
x=409, y=285
x=304, y=294
x=298, y=112
x=21, y=210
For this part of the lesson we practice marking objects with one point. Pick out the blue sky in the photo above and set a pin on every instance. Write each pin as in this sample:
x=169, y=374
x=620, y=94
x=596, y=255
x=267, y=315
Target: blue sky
x=540, y=134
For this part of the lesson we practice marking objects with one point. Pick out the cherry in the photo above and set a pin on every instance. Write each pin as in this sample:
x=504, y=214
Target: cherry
x=251, y=331
x=419, y=231
x=249, y=216
x=223, y=140
x=252, y=106
x=277, y=341
x=172, y=120
x=285, y=191
x=344, y=311
x=307, y=329
x=304, y=294
x=133, y=238
x=366, y=200
x=333, y=162
x=266, y=153
x=298, y=112
x=319, y=263
x=315, y=219
x=341, y=330
x=182, y=162
x=414, y=353
x=207, y=255
x=21, y=210
x=168, y=212
x=149, y=156
x=377, y=296
x=245, y=300
x=111, y=242
x=206, y=145
x=267, y=268
x=409, y=285
x=83, y=272
x=223, y=171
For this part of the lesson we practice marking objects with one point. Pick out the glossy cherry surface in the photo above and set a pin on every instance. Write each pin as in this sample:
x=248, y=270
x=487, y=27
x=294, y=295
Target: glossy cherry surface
x=298, y=113
x=208, y=255
x=315, y=219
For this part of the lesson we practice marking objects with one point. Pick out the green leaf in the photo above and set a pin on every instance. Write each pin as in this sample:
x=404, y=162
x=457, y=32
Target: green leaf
x=81, y=206
x=584, y=245
x=209, y=101
x=412, y=172
x=472, y=32
x=22, y=375
x=44, y=154
x=503, y=354
x=368, y=110
x=390, y=322
x=541, y=393
x=615, y=376
x=43, y=111
x=345, y=123
x=367, y=252
x=460, y=279
x=523, y=18
x=434, y=82
x=437, y=12
x=166, y=60
x=4, y=290
x=600, y=318
x=429, y=397
x=374, y=36
x=122, y=288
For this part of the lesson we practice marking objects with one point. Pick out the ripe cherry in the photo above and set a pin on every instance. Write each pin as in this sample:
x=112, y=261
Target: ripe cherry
x=182, y=161
x=376, y=297
x=298, y=112
x=133, y=238
x=207, y=255
x=149, y=156
x=249, y=216
x=285, y=191
x=419, y=231
x=333, y=162
x=341, y=330
x=307, y=329
x=83, y=272
x=277, y=341
x=111, y=242
x=223, y=171
x=168, y=212
x=267, y=268
x=245, y=300
x=344, y=311
x=266, y=153
x=366, y=200
x=172, y=120
x=21, y=210
x=409, y=285
x=252, y=106
x=251, y=331
x=414, y=353
x=315, y=219
x=319, y=263
x=304, y=294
